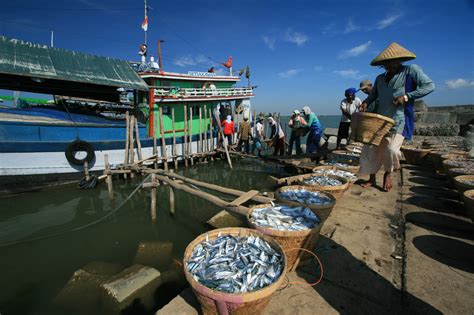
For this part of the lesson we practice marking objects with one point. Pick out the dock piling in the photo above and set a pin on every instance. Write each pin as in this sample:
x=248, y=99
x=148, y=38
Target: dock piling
x=108, y=179
x=153, y=198
x=163, y=142
x=173, y=149
x=185, y=136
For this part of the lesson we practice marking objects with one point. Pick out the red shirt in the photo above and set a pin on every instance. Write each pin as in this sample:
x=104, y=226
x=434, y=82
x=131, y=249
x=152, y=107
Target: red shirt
x=228, y=127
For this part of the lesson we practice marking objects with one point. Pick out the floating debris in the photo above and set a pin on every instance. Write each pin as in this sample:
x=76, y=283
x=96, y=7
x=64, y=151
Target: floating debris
x=345, y=174
x=235, y=264
x=285, y=218
x=322, y=181
x=306, y=197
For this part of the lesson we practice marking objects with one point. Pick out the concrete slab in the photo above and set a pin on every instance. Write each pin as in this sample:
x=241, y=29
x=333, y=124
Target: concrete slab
x=155, y=254
x=226, y=219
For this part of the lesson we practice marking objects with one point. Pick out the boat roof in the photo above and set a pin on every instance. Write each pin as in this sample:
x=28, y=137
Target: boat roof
x=190, y=76
x=39, y=68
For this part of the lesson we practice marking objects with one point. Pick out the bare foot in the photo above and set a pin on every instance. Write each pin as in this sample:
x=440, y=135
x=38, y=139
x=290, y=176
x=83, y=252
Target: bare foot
x=387, y=181
x=369, y=183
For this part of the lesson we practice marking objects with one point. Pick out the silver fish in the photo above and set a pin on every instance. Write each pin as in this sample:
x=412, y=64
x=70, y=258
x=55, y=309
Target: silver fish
x=321, y=180
x=306, y=197
x=284, y=218
x=345, y=174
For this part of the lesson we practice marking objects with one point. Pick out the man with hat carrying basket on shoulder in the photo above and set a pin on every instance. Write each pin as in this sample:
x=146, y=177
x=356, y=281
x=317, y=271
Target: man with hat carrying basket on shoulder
x=394, y=92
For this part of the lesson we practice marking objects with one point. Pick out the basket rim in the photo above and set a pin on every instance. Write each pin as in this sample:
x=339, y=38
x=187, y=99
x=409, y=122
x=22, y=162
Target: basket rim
x=374, y=115
x=344, y=186
x=294, y=187
x=469, y=194
x=234, y=297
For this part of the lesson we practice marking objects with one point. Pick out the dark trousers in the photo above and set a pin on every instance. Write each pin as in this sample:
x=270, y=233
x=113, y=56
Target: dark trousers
x=312, y=142
x=297, y=141
x=246, y=145
x=279, y=146
x=343, y=132
x=229, y=139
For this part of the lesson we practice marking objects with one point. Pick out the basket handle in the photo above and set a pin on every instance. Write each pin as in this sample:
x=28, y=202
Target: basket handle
x=320, y=267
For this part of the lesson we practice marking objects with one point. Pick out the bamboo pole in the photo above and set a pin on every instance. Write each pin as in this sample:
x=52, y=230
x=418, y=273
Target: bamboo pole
x=190, y=152
x=173, y=150
x=131, y=142
x=224, y=142
x=206, y=125
x=185, y=147
x=109, y=177
x=209, y=197
x=200, y=131
x=172, y=200
x=137, y=136
x=211, y=127
x=126, y=157
x=155, y=147
x=153, y=199
x=86, y=171
x=163, y=142
x=236, y=123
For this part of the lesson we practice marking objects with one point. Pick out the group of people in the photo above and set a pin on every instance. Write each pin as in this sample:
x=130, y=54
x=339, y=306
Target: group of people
x=392, y=95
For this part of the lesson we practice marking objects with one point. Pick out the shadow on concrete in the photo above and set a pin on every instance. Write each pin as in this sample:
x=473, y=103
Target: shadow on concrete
x=436, y=204
x=352, y=287
x=428, y=174
x=442, y=224
x=447, y=250
x=429, y=181
x=435, y=191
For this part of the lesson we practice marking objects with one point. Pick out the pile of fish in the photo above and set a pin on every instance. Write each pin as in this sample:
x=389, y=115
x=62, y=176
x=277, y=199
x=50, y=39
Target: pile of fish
x=284, y=218
x=338, y=164
x=321, y=180
x=469, y=182
x=235, y=264
x=345, y=174
x=306, y=197
x=460, y=163
x=463, y=170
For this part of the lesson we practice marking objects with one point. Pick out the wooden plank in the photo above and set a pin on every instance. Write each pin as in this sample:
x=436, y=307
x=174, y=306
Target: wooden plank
x=190, y=151
x=245, y=197
x=185, y=136
x=206, y=145
x=137, y=136
x=173, y=151
x=200, y=131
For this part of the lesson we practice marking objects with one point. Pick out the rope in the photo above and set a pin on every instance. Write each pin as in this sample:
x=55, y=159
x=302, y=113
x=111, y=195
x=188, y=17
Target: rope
x=320, y=267
x=100, y=220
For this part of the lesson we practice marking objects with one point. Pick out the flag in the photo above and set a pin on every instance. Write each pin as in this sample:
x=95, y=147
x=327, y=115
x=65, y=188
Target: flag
x=145, y=24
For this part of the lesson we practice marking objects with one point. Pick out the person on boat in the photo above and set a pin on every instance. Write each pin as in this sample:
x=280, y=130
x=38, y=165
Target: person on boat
x=258, y=136
x=394, y=90
x=228, y=127
x=349, y=105
x=244, y=135
x=296, y=124
x=143, y=52
x=277, y=137
x=314, y=130
x=153, y=64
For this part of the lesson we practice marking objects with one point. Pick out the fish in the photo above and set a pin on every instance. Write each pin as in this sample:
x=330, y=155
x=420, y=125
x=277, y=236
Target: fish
x=306, y=197
x=345, y=174
x=321, y=180
x=242, y=264
x=284, y=218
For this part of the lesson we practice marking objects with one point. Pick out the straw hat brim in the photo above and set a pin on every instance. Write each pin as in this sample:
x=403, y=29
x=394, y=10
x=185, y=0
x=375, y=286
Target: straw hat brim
x=393, y=51
x=380, y=62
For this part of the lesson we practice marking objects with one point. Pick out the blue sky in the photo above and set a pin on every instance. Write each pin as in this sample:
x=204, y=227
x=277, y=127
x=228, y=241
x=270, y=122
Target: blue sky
x=300, y=52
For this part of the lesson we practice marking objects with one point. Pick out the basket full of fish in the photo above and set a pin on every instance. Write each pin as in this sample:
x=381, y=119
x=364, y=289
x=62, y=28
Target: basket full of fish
x=320, y=202
x=333, y=171
x=234, y=270
x=334, y=185
x=463, y=183
x=293, y=227
x=341, y=163
x=415, y=155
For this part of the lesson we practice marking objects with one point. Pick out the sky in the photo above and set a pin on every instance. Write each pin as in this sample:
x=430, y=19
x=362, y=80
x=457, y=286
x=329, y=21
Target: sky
x=299, y=52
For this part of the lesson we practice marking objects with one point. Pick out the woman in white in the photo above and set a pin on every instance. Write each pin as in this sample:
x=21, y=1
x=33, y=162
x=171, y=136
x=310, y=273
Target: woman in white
x=349, y=106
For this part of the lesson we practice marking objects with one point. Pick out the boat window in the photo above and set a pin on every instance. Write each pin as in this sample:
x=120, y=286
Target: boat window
x=166, y=110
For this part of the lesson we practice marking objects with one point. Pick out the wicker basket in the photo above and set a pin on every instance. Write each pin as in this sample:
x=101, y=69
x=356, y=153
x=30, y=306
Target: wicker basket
x=455, y=163
x=332, y=167
x=289, y=240
x=468, y=198
x=336, y=191
x=370, y=128
x=351, y=167
x=322, y=211
x=458, y=171
x=216, y=302
x=415, y=156
x=461, y=185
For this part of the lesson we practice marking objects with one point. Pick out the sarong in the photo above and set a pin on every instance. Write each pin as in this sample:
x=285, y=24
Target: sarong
x=387, y=155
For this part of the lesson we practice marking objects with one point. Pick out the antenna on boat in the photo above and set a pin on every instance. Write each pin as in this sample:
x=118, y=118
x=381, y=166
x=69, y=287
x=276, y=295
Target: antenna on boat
x=160, y=61
x=52, y=38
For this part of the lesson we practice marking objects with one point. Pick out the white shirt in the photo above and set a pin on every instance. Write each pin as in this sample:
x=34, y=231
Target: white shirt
x=350, y=108
x=258, y=130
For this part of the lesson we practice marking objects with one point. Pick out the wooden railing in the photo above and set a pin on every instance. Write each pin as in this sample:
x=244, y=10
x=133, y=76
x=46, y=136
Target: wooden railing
x=202, y=92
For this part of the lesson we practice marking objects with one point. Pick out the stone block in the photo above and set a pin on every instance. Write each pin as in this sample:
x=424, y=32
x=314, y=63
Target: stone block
x=436, y=129
x=131, y=291
x=157, y=254
x=420, y=106
x=82, y=291
x=331, y=143
x=328, y=132
x=226, y=219
x=437, y=118
x=465, y=118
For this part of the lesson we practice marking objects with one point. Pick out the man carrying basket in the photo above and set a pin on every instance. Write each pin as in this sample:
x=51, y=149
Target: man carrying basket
x=395, y=90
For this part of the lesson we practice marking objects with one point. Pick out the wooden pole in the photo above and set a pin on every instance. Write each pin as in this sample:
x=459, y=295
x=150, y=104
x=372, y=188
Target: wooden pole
x=163, y=142
x=190, y=151
x=175, y=160
x=125, y=161
x=160, y=60
x=153, y=199
x=86, y=171
x=109, y=177
x=172, y=203
x=200, y=130
x=224, y=142
x=137, y=136
x=211, y=127
x=185, y=136
x=131, y=142
x=206, y=125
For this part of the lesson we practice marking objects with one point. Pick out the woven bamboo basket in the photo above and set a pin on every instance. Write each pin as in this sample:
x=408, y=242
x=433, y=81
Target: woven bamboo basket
x=350, y=167
x=336, y=191
x=462, y=185
x=468, y=198
x=370, y=128
x=322, y=211
x=288, y=240
x=415, y=156
x=455, y=162
x=332, y=167
x=216, y=302
x=458, y=171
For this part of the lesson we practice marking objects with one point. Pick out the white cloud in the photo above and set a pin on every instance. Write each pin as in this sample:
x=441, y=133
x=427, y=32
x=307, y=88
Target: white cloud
x=459, y=83
x=389, y=20
x=355, y=51
x=329, y=29
x=349, y=74
x=289, y=73
x=189, y=60
x=351, y=27
x=269, y=41
x=295, y=37
x=318, y=68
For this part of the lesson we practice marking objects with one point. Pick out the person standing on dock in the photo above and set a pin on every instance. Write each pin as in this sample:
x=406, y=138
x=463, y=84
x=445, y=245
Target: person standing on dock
x=258, y=136
x=348, y=106
x=366, y=87
x=228, y=125
x=314, y=129
x=296, y=124
x=395, y=90
x=244, y=135
x=277, y=136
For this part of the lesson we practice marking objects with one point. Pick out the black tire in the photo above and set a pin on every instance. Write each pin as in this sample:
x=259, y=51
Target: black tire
x=87, y=184
x=79, y=145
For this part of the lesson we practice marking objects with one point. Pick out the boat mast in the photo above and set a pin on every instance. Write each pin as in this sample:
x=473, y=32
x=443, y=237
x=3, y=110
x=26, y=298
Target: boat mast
x=146, y=20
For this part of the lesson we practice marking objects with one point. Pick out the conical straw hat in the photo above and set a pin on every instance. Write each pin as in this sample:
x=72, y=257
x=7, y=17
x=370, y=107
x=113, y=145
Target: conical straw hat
x=393, y=51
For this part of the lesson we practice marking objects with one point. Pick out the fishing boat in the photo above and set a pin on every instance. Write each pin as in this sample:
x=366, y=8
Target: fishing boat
x=48, y=143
